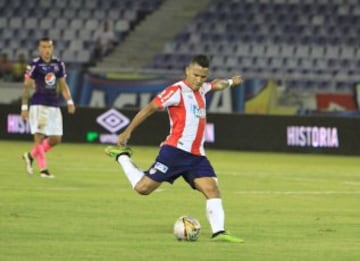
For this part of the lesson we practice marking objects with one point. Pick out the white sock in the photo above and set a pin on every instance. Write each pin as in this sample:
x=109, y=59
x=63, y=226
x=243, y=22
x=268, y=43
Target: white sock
x=215, y=214
x=131, y=171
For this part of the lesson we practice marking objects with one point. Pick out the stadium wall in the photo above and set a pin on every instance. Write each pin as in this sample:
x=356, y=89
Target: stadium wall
x=312, y=134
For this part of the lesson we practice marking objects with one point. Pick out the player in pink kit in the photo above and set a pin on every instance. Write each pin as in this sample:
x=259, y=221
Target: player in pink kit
x=182, y=153
x=46, y=74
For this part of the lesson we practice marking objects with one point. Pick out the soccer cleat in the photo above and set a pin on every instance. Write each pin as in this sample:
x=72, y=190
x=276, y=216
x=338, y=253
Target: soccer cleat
x=226, y=237
x=28, y=162
x=114, y=152
x=46, y=174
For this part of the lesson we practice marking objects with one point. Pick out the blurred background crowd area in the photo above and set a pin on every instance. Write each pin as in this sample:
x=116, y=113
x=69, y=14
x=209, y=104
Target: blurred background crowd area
x=307, y=47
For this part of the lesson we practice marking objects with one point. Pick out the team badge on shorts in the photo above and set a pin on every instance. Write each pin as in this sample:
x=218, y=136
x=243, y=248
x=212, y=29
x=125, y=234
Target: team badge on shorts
x=160, y=167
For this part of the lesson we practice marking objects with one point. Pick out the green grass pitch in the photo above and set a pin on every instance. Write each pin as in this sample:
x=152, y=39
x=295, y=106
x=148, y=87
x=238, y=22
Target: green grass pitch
x=285, y=206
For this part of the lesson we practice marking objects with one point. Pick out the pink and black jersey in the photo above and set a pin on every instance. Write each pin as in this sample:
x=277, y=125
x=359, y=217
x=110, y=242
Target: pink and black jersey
x=45, y=75
x=187, y=113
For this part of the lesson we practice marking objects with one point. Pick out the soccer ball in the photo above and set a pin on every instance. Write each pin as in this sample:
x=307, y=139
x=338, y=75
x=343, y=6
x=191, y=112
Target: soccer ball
x=187, y=228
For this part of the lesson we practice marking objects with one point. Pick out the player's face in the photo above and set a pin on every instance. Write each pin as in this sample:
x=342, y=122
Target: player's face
x=196, y=76
x=46, y=50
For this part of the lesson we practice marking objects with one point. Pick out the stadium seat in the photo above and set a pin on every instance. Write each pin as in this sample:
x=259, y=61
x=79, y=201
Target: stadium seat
x=114, y=14
x=3, y=22
x=287, y=50
x=92, y=24
x=77, y=24
x=15, y=23
x=121, y=26
x=52, y=13
x=83, y=13
x=99, y=14
x=69, y=56
x=46, y=23
x=55, y=34
x=347, y=52
x=45, y=4
x=28, y=4
x=302, y=51
x=68, y=13
x=61, y=44
x=85, y=35
x=31, y=23
x=77, y=5
x=90, y=4
x=61, y=4
x=76, y=45
x=231, y=61
x=272, y=51
x=69, y=34
x=332, y=52
x=83, y=56
x=62, y=23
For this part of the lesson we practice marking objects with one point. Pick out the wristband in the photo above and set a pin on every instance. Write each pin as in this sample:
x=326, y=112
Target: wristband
x=24, y=107
x=70, y=102
x=230, y=82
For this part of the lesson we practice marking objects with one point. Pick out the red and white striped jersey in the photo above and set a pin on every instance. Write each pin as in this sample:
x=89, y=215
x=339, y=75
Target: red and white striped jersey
x=187, y=114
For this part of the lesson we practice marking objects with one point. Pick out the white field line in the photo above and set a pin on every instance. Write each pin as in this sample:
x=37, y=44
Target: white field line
x=65, y=188
x=330, y=192
x=250, y=192
x=43, y=188
x=352, y=183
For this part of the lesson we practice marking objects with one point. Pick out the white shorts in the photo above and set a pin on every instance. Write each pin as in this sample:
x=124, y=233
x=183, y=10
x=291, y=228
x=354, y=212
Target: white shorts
x=45, y=120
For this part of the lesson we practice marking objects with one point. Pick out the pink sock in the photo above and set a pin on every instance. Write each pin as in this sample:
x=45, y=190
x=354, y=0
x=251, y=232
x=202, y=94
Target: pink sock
x=40, y=157
x=46, y=145
x=34, y=152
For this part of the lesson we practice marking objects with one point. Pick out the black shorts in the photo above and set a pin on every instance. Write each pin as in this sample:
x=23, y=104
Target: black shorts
x=171, y=163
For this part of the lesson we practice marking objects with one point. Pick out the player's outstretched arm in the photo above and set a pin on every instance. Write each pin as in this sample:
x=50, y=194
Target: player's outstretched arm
x=141, y=116
x=221, y=84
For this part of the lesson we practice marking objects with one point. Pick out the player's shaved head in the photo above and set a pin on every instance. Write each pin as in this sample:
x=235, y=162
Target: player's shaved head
x=46, y=39
x=201, y=60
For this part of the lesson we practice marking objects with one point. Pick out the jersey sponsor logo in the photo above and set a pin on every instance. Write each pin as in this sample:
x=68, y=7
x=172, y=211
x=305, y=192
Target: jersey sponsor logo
x=161, y=167
x=198, y=112
x=189, y=96
x=50, y=79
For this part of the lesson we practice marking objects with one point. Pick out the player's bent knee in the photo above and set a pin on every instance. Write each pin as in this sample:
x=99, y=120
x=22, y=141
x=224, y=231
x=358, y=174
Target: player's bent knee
x=142, y=190
x=146, y=186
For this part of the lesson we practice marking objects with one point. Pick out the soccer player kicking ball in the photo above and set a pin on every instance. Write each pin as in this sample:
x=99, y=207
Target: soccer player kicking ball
x=182, y=153
x=46, y=74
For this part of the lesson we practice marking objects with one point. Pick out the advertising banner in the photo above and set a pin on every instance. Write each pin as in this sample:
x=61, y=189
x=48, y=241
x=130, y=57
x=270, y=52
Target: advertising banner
x=311, y=134
x=103, y=91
